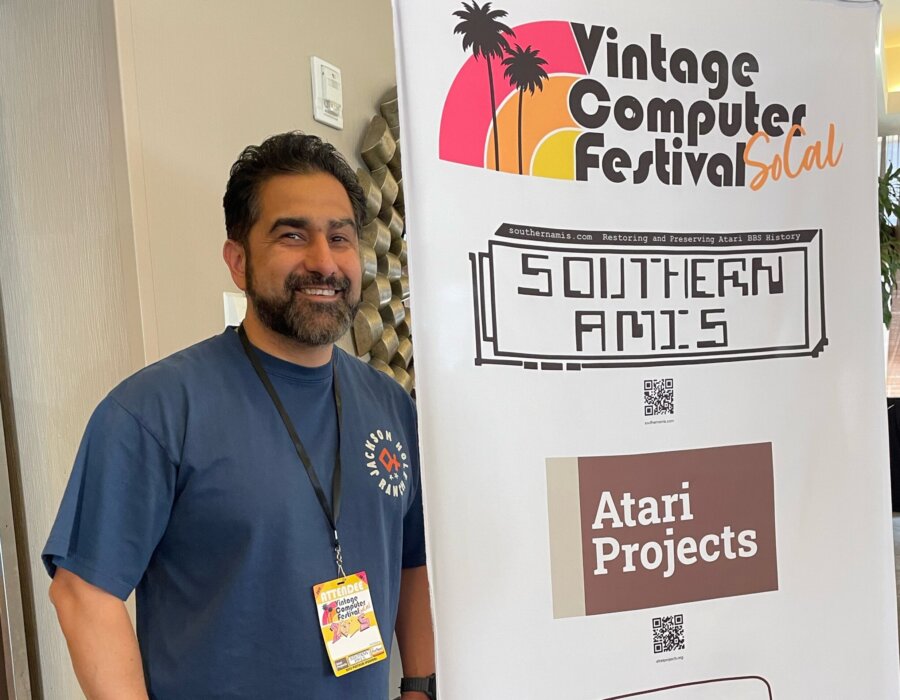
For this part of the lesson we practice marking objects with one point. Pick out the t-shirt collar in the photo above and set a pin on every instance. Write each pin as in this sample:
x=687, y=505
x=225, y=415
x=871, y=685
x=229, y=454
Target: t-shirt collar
x=275, y=366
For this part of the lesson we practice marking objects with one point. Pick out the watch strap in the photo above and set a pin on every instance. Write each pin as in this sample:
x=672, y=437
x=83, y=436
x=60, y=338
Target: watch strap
x=421, y=684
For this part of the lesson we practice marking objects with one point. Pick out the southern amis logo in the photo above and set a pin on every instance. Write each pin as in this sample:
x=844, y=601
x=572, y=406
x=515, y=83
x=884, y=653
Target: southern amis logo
x=551, y=99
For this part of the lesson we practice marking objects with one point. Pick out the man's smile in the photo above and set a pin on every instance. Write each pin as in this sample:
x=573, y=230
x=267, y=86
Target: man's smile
x=319, y=291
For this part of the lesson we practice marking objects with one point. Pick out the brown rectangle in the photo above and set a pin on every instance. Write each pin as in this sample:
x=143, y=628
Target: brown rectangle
x=674, y=527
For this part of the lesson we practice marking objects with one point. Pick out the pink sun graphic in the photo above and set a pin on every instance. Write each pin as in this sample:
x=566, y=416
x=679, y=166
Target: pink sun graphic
x=548, y=131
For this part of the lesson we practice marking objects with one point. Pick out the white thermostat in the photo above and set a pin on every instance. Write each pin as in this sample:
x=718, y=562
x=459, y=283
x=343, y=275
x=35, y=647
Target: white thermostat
x=328, y=96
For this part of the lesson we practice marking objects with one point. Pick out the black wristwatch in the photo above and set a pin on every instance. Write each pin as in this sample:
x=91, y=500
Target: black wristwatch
x=422, y=684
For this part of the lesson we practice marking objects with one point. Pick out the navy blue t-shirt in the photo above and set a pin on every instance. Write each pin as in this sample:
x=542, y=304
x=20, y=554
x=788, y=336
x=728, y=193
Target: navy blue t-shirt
x=188, y=489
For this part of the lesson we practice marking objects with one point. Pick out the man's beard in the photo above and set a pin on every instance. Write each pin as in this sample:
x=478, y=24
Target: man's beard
x=308, y=322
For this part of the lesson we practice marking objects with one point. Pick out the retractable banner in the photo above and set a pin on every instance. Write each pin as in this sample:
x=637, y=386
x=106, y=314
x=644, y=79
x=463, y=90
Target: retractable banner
x=645, y=281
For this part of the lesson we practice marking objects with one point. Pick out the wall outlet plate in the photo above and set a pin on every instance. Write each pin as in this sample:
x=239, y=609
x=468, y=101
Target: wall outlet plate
x=328, y=94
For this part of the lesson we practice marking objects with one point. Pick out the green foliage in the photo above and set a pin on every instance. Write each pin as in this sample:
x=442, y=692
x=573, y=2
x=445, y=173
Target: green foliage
x=888, y=216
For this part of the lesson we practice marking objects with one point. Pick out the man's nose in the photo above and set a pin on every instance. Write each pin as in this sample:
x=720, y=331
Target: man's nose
x=319, y=256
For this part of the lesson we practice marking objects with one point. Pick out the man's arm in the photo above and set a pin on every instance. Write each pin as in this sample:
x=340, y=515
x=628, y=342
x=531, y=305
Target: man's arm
x=101, y=639
x=414, y=632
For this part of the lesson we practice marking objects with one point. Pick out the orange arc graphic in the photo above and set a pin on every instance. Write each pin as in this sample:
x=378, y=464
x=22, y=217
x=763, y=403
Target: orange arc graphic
x=543, y=112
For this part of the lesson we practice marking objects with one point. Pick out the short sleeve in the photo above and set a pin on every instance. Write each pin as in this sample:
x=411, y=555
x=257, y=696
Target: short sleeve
x=414, y=534
x=117, y=503
x=414, y=520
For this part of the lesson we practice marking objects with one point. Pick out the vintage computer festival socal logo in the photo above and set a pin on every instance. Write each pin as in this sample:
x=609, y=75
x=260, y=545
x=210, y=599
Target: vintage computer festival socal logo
x=553, y=99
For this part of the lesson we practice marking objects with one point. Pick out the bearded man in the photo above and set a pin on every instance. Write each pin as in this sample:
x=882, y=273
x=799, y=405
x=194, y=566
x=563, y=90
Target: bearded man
x=259, y=490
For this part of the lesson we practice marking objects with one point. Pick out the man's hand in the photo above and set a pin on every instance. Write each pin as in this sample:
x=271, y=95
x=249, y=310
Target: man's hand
x=101, y=639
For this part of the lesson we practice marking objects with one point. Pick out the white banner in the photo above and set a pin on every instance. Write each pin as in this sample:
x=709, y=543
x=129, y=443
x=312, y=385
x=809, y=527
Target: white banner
x=644, y=273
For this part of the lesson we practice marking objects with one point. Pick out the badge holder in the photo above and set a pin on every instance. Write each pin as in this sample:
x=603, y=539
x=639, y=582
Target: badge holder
x=349, y=628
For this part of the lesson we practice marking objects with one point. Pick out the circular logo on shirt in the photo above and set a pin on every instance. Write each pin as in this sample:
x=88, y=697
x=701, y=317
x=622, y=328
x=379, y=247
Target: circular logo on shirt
x=387, y=463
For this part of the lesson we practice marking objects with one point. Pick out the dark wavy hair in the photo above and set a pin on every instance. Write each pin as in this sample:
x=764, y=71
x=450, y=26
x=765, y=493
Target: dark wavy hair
x=283, y=154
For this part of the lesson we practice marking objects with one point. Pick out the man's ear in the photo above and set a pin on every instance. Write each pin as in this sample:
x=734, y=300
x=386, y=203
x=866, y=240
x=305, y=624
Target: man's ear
x=236, y=258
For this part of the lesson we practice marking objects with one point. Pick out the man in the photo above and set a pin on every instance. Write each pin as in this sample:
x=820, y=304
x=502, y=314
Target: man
x=190, y=487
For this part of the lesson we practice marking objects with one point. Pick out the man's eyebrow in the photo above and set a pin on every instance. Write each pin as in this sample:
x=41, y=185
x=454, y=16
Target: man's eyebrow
x=340, y=223
x=303, y=222
x=290, y=222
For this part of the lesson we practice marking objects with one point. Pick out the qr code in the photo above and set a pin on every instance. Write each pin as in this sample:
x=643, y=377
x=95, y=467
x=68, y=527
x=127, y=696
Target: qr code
x=659, y=397
x=668, y=634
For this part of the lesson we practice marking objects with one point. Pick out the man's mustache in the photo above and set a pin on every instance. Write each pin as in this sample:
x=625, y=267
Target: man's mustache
x=295, y=283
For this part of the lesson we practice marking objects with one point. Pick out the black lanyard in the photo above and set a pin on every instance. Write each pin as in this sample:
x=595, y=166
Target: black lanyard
x=331, y=514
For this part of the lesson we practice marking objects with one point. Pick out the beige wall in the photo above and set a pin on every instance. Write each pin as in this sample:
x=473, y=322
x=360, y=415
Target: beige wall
x=891, y=57
x=67, y=294
x=201, y=80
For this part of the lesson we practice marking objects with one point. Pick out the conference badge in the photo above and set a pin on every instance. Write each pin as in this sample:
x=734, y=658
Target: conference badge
x=349, y=629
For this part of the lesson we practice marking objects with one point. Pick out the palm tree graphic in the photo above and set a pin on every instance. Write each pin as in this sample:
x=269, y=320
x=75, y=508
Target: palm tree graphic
x=483, y=32
x=524, y=70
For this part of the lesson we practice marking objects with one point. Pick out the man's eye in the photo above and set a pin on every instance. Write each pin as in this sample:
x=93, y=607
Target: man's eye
x=292, y=235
